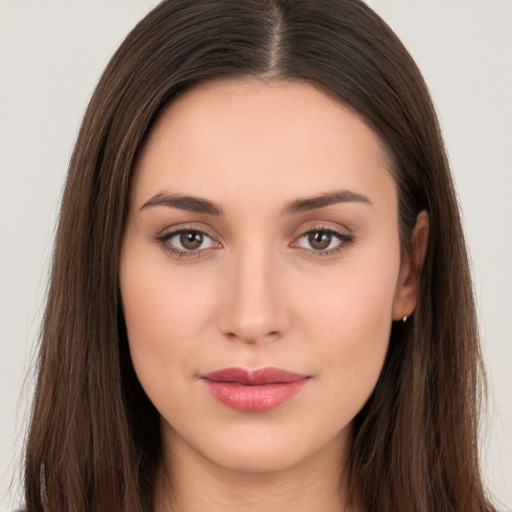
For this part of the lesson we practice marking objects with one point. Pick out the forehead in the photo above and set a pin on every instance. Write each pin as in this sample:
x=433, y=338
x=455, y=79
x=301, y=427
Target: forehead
x=274, y=139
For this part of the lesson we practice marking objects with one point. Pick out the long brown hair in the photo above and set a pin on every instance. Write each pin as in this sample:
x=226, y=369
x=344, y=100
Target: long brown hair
x=94, y=440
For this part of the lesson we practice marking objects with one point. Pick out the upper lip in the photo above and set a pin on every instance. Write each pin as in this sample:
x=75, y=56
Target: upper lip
x=257, y=377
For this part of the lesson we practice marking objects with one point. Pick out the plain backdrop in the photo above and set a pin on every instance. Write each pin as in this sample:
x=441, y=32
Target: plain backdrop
x=51, y=55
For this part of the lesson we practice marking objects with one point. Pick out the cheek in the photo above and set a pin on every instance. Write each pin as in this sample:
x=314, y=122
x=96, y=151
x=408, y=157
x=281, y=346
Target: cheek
x=160, y=322
x=153, y=309
x=162, y=301
x=351, y=321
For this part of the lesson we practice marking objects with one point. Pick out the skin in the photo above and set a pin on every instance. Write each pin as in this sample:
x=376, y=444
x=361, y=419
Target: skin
x=257, y=293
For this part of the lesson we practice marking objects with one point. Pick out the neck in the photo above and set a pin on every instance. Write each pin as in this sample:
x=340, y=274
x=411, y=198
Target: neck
x=188, y=482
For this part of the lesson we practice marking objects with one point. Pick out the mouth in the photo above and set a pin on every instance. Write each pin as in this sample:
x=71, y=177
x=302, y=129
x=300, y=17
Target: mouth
x=257, y=390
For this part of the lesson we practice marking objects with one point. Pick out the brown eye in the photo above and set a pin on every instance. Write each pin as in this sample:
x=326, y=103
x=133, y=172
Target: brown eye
x=323, y=242
x=319, y=240
x=191, y=240
x=187, y=242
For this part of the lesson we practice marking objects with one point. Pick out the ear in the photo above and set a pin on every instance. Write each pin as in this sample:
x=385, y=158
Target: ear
x=408, y=283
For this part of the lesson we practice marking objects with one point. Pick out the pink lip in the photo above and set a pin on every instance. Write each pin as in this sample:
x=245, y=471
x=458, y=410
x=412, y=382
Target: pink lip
x=253, y=390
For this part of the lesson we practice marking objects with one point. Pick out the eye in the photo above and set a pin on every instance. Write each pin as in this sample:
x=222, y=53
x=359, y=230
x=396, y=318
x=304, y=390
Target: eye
x=186, y=242
x=324, y=241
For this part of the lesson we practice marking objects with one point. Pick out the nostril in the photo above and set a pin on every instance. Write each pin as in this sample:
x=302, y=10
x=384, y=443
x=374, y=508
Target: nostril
x=252, y=335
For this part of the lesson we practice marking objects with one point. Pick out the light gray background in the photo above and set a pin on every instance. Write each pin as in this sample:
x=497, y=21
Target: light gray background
x=51, y=55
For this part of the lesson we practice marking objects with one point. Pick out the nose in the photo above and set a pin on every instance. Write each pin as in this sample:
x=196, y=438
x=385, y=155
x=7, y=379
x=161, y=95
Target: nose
x=254, y=306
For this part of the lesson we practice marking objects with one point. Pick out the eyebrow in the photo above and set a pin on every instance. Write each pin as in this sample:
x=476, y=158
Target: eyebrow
x=323, y=200
x=200, y=205
x=182, y=202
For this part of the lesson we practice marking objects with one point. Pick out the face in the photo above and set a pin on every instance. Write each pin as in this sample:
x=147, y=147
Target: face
x=260, y=273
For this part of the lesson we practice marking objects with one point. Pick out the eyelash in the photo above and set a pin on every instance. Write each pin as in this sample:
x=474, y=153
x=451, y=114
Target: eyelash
x=344, y=241
x=165, y=238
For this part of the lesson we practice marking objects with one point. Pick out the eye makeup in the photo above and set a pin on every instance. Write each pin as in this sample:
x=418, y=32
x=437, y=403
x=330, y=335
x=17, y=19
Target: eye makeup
x=323, y=241
x=187, y=242
x=193, y=242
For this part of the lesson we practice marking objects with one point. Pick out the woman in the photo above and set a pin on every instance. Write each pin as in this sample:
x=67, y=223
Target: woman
x=260, y=296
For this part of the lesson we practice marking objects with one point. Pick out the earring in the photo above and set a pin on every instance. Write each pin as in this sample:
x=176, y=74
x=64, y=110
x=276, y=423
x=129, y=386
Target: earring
x=404, y=319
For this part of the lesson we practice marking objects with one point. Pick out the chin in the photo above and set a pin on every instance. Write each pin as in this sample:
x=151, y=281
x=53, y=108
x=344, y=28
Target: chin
x=257, y=448
x=257, y=461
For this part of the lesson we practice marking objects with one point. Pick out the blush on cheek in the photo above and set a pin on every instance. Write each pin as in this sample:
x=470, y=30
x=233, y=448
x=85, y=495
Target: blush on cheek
x=144, y=295
x=362, y=324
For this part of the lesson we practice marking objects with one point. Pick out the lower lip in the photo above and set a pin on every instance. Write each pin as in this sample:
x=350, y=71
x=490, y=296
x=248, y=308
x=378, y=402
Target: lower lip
x=253, y=398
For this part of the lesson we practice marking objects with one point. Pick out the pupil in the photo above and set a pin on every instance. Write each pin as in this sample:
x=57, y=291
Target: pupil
x=319, y=240
x=191, y=240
